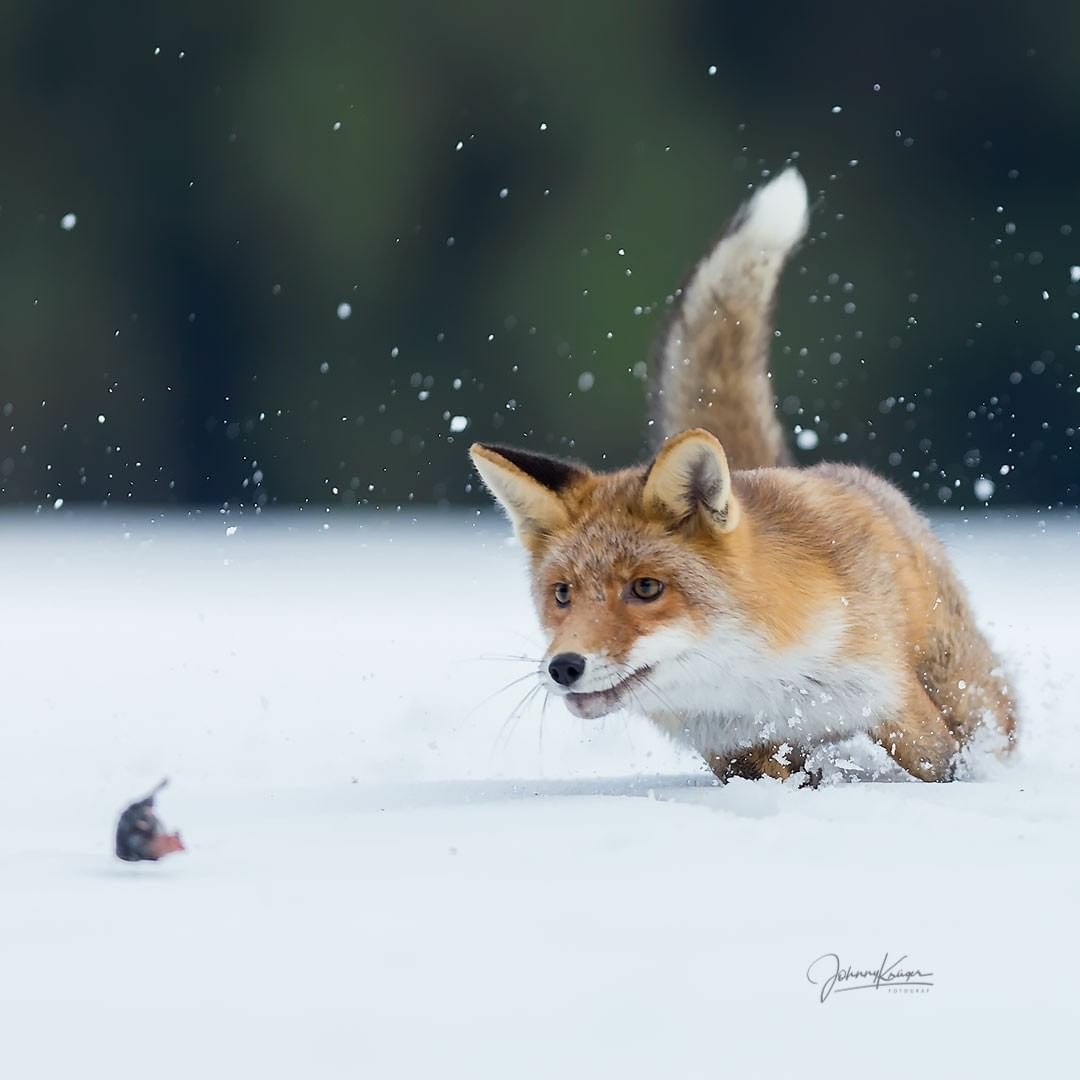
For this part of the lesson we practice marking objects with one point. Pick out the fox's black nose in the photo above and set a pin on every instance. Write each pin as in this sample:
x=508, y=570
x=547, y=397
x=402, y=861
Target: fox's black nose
x=567, y=668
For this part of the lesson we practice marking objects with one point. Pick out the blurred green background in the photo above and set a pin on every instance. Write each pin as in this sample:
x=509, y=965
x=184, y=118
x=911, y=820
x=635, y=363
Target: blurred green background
x=503, y=195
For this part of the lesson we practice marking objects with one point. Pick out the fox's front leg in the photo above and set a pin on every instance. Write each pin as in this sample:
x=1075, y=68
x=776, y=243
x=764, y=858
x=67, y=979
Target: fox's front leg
x=918, y=739
x=775, y=760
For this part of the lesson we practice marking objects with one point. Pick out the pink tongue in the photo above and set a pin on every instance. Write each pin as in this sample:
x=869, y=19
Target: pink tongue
x=589, y=706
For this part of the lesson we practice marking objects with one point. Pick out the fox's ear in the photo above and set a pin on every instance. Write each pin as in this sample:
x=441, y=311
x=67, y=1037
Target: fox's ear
x=528, y=487
x=690, y=481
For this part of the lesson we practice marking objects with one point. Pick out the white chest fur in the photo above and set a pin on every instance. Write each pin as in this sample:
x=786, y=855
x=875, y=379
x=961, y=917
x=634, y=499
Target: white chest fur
x=731, y=690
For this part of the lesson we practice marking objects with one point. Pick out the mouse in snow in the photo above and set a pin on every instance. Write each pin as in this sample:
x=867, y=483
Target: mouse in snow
x=140, y=836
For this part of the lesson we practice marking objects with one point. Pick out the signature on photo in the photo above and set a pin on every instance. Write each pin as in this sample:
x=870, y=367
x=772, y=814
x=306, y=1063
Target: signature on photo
x=895, y=976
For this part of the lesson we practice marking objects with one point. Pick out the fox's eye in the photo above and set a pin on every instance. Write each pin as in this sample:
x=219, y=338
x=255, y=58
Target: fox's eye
x=646, y=588
x=562, y=594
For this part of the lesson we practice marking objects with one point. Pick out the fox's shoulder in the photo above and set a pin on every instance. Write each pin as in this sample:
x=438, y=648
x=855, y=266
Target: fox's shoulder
x=831, y=507
x=825, y=488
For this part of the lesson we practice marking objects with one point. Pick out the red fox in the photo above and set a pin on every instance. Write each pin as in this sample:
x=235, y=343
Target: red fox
x=752, y=609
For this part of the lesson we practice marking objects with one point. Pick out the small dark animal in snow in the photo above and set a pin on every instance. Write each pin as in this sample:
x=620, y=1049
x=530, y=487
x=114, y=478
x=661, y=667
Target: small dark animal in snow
x=140, y=836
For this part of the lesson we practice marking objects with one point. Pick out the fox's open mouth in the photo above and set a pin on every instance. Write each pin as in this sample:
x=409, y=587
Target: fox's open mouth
x=590, y=705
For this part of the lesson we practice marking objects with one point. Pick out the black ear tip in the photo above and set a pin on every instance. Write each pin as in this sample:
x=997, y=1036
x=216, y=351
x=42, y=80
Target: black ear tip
x=554, y=473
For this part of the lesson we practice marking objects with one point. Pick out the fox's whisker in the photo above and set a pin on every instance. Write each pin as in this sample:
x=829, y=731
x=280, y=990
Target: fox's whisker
x=502, y=690
x=645, y=682
x=648, y=683
x=508, y=657
x=510, y=723
x=641, y=676
x=529, y=639
x=699, y=654
x=540, y=735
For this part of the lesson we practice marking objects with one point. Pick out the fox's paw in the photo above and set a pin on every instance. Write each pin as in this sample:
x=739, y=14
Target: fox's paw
x=778, y=761
x=808, y=778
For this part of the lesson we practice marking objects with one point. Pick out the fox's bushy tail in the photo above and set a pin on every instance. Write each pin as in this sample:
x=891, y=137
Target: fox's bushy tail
x=711, y=364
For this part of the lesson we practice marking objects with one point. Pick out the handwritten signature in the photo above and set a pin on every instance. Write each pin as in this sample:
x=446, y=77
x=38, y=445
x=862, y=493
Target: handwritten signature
x=828, y=973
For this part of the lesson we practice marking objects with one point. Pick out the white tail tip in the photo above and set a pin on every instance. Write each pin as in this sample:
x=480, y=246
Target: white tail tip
x=777, y=214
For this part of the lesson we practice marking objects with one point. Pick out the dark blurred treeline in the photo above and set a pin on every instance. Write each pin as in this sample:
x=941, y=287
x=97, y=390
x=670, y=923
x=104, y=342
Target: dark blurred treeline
x=502, y=195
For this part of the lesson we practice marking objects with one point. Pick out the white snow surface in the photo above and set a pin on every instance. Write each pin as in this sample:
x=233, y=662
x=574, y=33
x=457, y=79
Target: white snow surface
x=389, y=876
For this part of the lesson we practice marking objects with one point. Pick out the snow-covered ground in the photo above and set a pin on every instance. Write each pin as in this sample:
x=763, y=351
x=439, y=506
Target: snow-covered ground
x=391, y=874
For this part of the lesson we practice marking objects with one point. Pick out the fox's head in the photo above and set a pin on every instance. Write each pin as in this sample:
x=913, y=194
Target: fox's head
x=625, y=564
